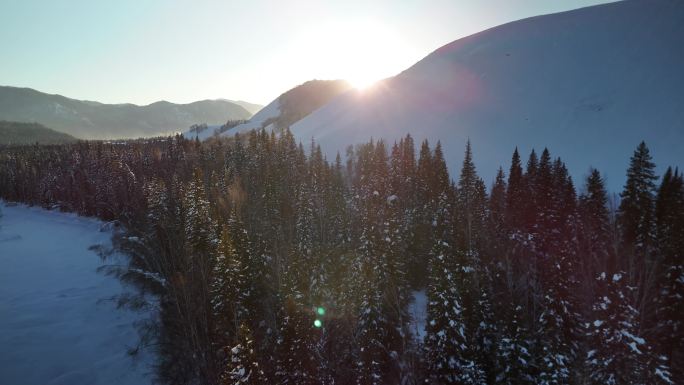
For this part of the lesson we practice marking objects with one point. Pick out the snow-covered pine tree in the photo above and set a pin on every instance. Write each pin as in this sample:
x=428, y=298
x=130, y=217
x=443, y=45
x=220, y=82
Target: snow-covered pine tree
x=297, y=361
x=373, y=353
x=244, y=366
x=371, y=323
x=396, y=294
x=669, y=328
x=228, y=286
x=449, y=356
x=471, y=205
x=304, y=246
x=378, y=327
x=422, y=237
x=619, y=355
x=473, y=271
x=553, y=246
x=195, y=294
x=512, y=357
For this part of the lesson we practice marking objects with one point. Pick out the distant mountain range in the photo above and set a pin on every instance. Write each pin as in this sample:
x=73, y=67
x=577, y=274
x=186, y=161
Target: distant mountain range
x=589, y=84
x=30, y=133
x=92, y=120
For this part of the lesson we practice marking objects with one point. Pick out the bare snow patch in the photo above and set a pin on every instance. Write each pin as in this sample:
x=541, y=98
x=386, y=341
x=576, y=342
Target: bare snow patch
x=56, y=324
x=418, y=311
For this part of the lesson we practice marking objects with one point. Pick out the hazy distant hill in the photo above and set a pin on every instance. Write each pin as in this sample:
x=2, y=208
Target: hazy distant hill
x=29, y=133
x=589, y=83
x=93, y=120
x=251, y=107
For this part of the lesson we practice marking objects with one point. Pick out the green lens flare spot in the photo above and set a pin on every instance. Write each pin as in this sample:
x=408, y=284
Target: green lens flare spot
x=318, y=323
x=320, y=311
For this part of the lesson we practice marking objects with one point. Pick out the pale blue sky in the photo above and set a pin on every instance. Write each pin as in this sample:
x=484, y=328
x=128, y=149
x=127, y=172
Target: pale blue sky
x=141, y=51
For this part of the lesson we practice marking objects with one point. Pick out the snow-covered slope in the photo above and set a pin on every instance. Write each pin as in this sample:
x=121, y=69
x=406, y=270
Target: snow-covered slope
x=293, y=105
x=203, y=134
x=271, y=111
x=56, y=323
x=590, y=84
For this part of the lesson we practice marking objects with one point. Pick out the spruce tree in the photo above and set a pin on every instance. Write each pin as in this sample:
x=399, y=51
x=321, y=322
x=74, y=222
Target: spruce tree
x=449, y=352
x=669, y=307
x=596, y=227
x=636, y=211
x=515, y=194
x=421, y=228
x=619, y=355
x=473, y=270
x=244, y=367
x=296, y=346
x=471, y=205
x=227, y=286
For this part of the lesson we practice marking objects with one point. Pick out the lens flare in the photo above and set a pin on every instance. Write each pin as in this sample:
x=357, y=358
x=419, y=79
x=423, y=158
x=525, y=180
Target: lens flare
x=318, y=323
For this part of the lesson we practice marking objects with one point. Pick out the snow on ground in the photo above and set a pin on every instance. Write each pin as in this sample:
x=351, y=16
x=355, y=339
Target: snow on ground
x=418, y=312
x=56, y=326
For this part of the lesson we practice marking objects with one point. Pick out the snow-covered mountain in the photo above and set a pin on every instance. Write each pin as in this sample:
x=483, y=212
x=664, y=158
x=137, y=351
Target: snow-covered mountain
x=293, y=105
x=589, y=84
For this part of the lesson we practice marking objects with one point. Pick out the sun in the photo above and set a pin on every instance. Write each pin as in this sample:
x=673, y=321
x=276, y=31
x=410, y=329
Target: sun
x=361, y=51
x=370, y=48
x=362, y=82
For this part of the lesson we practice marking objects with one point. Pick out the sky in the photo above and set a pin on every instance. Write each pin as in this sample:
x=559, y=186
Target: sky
x=142, y=51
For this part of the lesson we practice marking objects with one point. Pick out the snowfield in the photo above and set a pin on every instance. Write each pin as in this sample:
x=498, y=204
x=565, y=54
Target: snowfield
x=56, y=324
x=272, y=110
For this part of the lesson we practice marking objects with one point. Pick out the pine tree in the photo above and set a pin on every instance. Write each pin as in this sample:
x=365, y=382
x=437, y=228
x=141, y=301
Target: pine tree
x=296, y=358
x=449, y=357
x=596, y=227
x=243, y=365
x=636, y=212
x=669, y=214
x=421, y=229
x=497, y=208
x=199, y=230
x=473, y=270
x=227, y=297
x=619, y=355
x=471, y=205
x=553, y=254
x=513, y=358
x=396, y=296
x=529, y=213
x=195, y=296
x=515, y=195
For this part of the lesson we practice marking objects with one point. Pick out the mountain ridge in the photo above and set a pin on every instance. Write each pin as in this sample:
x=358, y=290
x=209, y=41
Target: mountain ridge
x=94, y=120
